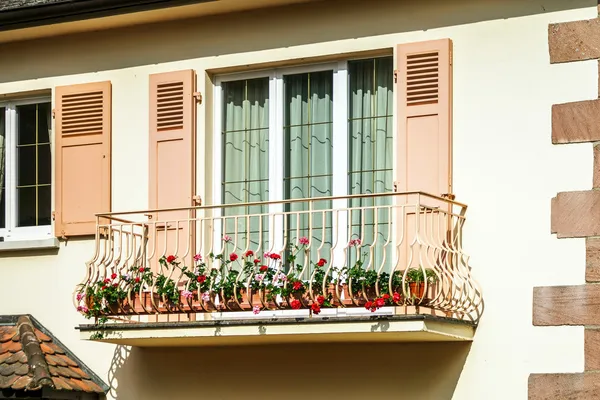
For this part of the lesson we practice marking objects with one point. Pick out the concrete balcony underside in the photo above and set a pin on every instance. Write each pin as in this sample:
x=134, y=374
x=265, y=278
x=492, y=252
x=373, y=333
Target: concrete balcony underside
x=398, y=328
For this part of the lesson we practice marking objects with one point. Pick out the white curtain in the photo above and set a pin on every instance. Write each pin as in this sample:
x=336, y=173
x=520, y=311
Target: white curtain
x=246, y=154
x=371, y=146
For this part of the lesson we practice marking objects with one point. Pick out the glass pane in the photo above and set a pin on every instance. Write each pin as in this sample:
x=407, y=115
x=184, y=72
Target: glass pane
x=26, y=166
x=44, y=124
x=44, y=175
x=371, y=154
x=44, y=205
x=2, y=167
x=246, y=158
x=27, y=121
x=26, y=206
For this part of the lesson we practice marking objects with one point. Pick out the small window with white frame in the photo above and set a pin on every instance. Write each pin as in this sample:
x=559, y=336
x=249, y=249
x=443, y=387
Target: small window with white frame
x=25, y=169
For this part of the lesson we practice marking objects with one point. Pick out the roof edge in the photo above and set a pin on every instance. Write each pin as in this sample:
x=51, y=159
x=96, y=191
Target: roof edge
x=54, y=13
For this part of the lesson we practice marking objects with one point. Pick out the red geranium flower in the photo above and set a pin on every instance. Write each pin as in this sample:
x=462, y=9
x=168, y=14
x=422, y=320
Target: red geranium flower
x=275, y=256
x=137, y=279
x=233, y=256
x=321, y=299
x=296, y=304
x=113, y=276
x=321, y=262
x=107, y=280
x=104, y=287
x=249, y=253
x=396, y=297
x=298, y=285
x=368, y=305
x=257, y=261
x=263, y=268
x=142, y=269
x=386, y=296
x=171, y=258
x=379, y=302
x=201, y=278
x=115, y=284
x=373, y=309
x=316, y=308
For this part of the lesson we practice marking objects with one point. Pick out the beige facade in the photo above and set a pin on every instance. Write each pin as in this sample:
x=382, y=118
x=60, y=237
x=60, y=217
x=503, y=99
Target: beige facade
x=505, y=168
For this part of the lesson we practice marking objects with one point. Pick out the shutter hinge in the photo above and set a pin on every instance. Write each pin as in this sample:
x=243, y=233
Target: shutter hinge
x=53, y=215
x=198, y=97
x=54, y=113
x=395, y=76
x=451, y=57
x=197, y=200
x=395, y=186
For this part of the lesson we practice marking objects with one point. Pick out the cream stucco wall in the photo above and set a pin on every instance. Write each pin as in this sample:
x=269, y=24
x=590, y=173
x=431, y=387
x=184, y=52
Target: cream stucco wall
x=505, y=168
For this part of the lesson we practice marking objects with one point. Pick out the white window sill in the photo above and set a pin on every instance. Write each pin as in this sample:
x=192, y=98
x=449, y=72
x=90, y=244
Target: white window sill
x=41, y=244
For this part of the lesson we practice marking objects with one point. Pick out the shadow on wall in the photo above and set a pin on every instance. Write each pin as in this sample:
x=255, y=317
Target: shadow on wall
x=264, y=29
x=325, y=371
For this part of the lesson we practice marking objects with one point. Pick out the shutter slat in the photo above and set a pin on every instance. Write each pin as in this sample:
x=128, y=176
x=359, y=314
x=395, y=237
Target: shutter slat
x=83, y=170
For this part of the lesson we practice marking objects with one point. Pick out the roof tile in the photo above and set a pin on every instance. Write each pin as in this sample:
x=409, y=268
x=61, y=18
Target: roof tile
x=10, y=346
x=21, y=383
x=21, y=368
x=19, y=356
x=60, y=383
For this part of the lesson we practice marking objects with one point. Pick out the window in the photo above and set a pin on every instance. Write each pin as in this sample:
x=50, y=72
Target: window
x=25, y=169
x=275, y=132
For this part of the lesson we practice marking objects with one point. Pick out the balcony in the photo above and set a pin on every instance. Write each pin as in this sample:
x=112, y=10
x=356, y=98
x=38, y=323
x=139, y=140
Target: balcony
x=379, y=267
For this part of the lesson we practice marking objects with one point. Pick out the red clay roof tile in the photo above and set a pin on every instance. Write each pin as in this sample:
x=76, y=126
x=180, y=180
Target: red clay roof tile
x=19, y=356
x=61, y=384
x=42, y=336
x=21, y=383
x=53, y=360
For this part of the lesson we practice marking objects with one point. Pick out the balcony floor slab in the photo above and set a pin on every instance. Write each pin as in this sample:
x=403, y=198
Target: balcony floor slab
x=395, y=328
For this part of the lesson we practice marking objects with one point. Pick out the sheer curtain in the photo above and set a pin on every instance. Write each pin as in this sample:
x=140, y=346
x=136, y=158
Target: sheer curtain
x=246, y=156
x=371, y=148
x=308, y=131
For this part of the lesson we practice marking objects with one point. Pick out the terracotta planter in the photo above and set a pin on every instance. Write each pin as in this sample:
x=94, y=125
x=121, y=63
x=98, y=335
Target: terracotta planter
x=148, y=297
x=332, y=292
x=210, y=304
x=114, y=308
x=250, y=299
x=417, y=289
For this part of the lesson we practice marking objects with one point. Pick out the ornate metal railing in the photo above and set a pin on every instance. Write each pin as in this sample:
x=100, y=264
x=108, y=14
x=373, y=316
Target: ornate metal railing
x=397, y=250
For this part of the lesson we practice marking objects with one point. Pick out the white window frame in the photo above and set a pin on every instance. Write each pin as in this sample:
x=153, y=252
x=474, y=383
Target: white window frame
x=11, y=232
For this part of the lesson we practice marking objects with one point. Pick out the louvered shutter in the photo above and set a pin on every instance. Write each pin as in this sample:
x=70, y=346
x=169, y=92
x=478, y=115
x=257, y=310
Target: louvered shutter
x=172, y=154
x=83, y=156
x=424, y=142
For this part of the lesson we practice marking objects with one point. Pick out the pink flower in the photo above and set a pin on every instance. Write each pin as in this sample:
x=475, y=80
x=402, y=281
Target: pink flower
x=227, y=238
x=303, y=241
x=79, y=296
x=354, y=242
x=259, y=277
x=198, y=257
x=255, y=310
x=82, y=309
x=187, y=294
x=205, y=296
x=233, y=257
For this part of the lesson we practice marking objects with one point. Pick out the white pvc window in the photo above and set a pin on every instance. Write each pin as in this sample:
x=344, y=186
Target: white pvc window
x=25, y=169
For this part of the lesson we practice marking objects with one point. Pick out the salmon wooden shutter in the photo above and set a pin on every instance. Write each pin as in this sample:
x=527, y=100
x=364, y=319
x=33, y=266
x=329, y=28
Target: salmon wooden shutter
x=172, y=151
x=83, y=157
x=424, y=142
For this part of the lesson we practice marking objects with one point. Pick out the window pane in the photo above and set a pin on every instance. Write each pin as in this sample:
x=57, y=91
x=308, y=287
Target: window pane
x=27, y=124
x=44, y=165
x=26, y=166
x=370, y=152
x=26, y=206
x=44, y=205
x=2, y=167
x=33, y=165
x=246, y=157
